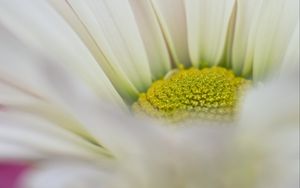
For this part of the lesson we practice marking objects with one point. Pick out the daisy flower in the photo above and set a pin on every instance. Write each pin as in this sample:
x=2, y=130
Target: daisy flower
x=150, y=93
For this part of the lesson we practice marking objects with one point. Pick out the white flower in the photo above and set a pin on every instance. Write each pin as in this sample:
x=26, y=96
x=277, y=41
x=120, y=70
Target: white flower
x=70, y=68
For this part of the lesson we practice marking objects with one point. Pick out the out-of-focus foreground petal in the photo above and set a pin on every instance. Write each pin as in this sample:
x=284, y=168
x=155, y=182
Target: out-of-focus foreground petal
x=36, y=100
x=261, y=151
x=68, y=173
x=26, y=20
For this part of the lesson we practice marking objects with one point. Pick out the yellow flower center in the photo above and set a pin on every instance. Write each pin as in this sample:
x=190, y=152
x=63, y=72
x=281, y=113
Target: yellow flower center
x=207, y=94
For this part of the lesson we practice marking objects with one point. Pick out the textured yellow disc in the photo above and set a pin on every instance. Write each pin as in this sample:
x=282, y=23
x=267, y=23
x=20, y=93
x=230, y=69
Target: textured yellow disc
x=208, y=94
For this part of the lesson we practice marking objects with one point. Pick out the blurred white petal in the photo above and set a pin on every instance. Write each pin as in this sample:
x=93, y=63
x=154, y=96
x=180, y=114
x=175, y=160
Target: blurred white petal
x=13, y=151
x=67, y=174
x=44, y=138
x=270, y=122
x=273, y=103
x=262, y=150
x=27, y=21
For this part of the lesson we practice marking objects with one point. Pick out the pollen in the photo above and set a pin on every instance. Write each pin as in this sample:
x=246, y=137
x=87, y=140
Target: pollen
x=207, y=94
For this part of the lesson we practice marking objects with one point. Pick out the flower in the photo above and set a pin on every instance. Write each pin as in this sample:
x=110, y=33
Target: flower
x=72, y=69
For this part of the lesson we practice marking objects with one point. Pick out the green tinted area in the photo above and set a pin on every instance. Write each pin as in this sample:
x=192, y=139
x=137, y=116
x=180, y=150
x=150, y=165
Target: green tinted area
x=207, y=94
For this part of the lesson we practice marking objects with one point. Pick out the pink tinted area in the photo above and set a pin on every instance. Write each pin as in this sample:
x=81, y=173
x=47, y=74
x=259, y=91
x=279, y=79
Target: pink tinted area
x=10, y=174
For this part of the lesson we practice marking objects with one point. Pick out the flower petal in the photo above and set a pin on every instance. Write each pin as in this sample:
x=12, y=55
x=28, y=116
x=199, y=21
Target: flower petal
x=63, y=174
x=40, y=87
x=171, y=16
x=60, y=44
x=111, y=26
x=269, y=125
x=269, y=105
x=247, y=16
x=12, y=151
x=35, y=136
x=263, y=32
x=159, y=59
x=278, y=21
x=291, y=59
x=208, y=26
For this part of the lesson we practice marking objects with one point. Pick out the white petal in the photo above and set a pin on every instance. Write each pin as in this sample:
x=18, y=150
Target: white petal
x=66, y=174
x=55, y=39
x=209, y=156
x=247, y=16
x=112, y=26
x=116, y=134
x=262, y=36
x=153, y=38
x=13, y=151
x=37, y=136
x=278, y=21
x=291, y=59
x=270, y=125
x=44, y=88
x=58, y=107
x=208, y=26
x=172, y=18
x=20, y=78
x=274, y=103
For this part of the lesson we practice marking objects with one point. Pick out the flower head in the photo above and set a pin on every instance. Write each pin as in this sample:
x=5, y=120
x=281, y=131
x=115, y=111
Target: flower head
x=75, y=74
